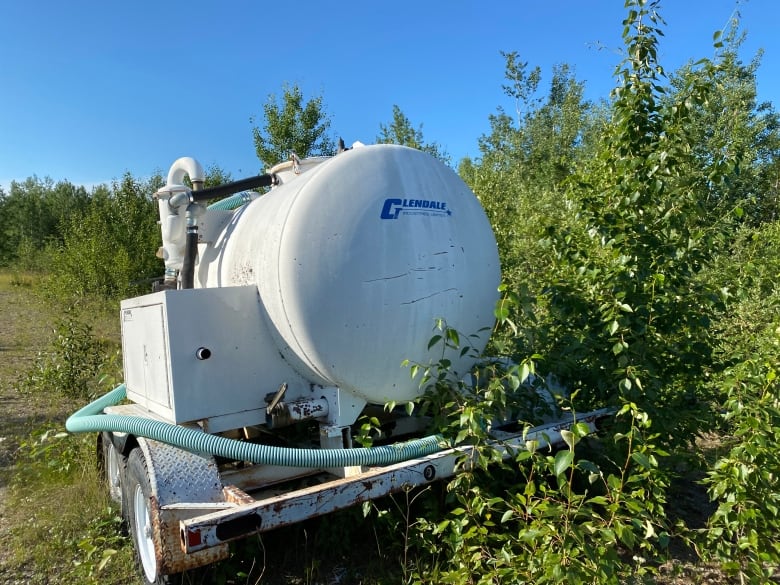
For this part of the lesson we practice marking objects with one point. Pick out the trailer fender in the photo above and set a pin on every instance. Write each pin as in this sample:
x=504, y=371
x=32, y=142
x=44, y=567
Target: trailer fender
x=181, y=485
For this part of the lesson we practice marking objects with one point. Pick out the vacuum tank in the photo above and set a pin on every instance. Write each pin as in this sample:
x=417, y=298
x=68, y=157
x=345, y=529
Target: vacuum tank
x=354, y=258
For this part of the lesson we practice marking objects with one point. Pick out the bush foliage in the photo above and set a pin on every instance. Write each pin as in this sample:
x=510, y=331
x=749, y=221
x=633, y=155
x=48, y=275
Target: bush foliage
x=629, y=276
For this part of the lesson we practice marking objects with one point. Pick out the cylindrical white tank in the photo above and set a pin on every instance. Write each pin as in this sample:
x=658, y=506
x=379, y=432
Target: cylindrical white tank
x=355, y=260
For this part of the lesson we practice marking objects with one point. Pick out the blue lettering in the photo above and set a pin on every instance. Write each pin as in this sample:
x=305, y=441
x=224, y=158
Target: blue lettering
x=393, y=208
x=388, y=212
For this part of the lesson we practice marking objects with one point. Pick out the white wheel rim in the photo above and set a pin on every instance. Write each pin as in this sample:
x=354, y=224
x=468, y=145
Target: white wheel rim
x=143, y=534
x=113, y=473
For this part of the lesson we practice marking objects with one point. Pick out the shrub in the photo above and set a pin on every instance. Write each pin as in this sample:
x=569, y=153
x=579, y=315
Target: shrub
x=108, y=251
x=741, y=534
x=538, y=516
x=74, y=362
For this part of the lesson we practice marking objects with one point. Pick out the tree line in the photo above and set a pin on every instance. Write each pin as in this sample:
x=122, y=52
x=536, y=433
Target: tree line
x=102, y=241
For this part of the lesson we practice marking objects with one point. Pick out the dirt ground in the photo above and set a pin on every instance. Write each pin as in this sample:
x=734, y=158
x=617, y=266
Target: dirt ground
x=23, y=327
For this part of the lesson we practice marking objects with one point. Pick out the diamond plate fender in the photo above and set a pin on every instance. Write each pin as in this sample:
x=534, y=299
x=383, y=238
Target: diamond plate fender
x=183, y=485
x=178, y=476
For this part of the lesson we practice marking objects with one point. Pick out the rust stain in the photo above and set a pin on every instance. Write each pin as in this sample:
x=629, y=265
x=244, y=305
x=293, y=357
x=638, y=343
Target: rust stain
x=306, y=409
x=237, y=496
x=168, y=551
x=157, y=529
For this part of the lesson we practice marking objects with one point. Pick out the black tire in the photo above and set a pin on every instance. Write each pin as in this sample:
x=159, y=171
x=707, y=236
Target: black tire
x=113, y=468
x=137, y=494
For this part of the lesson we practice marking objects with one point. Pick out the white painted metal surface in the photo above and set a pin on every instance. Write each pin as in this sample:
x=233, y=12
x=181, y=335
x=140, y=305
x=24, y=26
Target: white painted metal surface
x=355, y=259
x=202, y=354
x=315, y=294
x=172, y=220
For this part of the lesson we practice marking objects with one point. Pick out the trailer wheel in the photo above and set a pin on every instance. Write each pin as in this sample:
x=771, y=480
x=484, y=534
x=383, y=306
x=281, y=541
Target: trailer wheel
x=140, y=512
x=113, y=465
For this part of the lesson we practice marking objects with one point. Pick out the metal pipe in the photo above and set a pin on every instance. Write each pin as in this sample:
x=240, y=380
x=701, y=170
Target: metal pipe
x=288, y=413
x=234, y=187
x=185, y=166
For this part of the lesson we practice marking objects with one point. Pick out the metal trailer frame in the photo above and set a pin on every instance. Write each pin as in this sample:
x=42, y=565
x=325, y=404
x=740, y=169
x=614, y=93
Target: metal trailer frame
x=194, y=510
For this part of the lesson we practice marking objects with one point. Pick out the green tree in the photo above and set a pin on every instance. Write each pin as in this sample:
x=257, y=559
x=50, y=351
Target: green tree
x=625, y=317
x=31, y=214
x=631, y=317
x=732, y=129
x=108, y=249
x=523, y=163
x=216, y=175
x=547, y=131
x=292, y=125
x=401, y=131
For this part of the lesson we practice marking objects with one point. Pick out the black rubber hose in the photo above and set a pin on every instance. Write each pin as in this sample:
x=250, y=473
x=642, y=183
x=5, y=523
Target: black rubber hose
x=188, y=264
x=234, y=187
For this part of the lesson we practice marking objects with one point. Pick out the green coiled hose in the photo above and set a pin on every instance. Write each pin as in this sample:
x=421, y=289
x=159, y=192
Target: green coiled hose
x=232, y=202
x=91, y=419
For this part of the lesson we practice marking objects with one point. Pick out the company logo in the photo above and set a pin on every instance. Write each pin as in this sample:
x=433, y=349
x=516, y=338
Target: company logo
x=393, y=208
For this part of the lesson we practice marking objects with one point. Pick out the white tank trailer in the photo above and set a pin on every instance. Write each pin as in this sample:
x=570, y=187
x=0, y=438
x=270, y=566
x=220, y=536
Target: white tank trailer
x=301, y=304
x=329, y=281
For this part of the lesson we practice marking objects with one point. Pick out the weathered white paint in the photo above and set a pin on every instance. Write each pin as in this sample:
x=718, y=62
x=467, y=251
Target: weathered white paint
x=355, y=258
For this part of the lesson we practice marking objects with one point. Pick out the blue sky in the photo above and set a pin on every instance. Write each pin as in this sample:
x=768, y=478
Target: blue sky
x=90, y=90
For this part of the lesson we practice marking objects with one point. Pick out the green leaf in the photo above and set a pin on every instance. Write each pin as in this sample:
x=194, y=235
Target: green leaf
x=453, y=336
x=563, y=460
x=434, y=340
x=642, y=460
x=525, y=371
x=107, y=554
x=568, y=438
x=649, y=530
